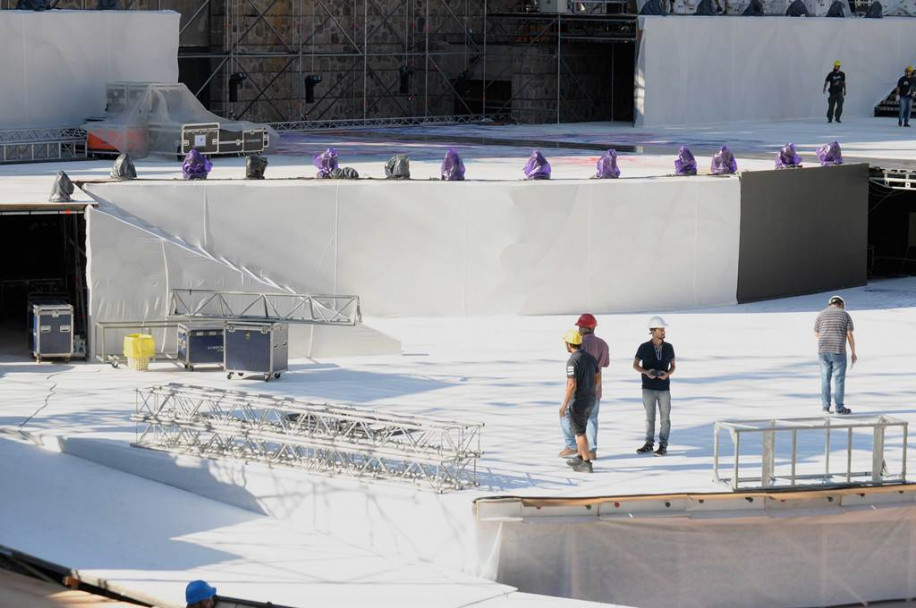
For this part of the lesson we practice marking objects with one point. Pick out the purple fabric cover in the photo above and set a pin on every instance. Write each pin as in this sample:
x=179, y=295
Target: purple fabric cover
x=723, y=162
x=685, y=163
x=607, y=165
x=787, y=158
x=537, y=166
x=195, y=165
x=325, y=162
x=830, y=154
x=452, y=169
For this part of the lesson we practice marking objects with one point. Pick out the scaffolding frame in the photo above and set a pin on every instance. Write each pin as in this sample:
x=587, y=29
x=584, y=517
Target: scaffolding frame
x=431, y=453
x=439, y=43
x=265, y=307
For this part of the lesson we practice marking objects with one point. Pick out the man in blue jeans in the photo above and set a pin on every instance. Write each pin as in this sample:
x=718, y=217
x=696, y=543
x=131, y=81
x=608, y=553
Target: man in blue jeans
x=655, y=362
x=906, y=86
x=597, y=348
x=833, y=328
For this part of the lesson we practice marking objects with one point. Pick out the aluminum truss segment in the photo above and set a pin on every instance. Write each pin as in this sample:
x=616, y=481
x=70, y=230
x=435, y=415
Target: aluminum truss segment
x=259, y=306
x=794, y=432
x=436, y=454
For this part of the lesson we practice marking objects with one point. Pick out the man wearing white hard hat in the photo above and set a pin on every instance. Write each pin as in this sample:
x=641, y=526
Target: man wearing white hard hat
x=655, y=362
x=833, y=328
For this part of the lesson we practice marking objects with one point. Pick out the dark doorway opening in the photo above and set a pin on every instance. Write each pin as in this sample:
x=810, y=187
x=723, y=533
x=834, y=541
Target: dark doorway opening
x=891, y=232
x=44, y=257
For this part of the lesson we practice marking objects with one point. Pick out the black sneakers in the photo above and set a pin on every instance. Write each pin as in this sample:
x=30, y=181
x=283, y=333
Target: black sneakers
x=579, y=465
x=662, y=450
x=843, y=411
x=645, y=449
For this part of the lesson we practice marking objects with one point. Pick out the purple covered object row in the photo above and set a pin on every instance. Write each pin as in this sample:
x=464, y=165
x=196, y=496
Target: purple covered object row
x=829, y=155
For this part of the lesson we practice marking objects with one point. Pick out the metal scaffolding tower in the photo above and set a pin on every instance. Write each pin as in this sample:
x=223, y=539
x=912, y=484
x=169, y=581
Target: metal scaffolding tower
x=311, y=64
x=435, y=454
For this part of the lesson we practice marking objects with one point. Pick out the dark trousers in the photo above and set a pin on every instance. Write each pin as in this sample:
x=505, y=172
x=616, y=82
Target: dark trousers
x=834, y=101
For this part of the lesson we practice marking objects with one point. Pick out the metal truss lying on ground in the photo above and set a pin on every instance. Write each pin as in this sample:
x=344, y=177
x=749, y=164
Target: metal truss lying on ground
x=437, y=454
x=259, y=306
x=800, y=464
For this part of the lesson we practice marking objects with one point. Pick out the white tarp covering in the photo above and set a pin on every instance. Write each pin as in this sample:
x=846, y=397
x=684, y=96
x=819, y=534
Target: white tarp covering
x=714, y=69
x=435, y=248
x=54, y=64
x=132, y=269
x=826, y=557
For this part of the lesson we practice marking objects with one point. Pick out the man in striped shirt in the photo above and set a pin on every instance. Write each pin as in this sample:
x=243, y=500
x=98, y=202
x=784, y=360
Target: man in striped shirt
x=833, y=328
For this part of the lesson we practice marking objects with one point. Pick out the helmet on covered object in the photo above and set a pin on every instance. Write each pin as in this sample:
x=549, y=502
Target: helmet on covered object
x=657, y=322
x=587, y=320
x=573, y=337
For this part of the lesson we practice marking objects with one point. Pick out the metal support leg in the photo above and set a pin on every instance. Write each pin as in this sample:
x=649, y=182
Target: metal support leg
x=736, y=439
x=877, y=454
x=767, y=459
x=794, y=454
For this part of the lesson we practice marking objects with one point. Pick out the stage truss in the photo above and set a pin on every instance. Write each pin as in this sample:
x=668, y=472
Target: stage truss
x=267, y=307
x=317, y=437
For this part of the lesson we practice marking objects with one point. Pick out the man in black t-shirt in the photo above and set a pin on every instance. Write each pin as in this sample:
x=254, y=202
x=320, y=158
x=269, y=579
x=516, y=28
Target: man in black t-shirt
x=655, y=361
x=579, y=398
x=836, y=81
x=906, y=85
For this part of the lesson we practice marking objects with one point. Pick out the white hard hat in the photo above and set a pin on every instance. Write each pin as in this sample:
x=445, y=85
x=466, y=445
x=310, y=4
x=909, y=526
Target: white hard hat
x=656, y=322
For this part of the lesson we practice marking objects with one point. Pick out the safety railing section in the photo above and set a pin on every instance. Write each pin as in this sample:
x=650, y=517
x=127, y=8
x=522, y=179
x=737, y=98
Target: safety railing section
x=261, y=306
x=794, y=452
x=333, y=439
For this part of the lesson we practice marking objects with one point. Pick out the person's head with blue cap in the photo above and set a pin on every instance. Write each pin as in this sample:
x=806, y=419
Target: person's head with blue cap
x=199, y=594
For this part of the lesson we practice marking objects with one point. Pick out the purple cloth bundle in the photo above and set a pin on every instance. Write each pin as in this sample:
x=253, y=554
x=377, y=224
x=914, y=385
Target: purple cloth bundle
x=830, y=154
x=325, y=163
x=607, y=165
x=685, y=163
x=723, y=162
x=787, y=158
x=452, y=169
x=537, y=166
x=195, y=165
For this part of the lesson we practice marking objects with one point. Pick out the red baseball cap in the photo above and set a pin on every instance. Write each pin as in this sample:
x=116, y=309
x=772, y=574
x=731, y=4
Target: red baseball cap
x=587, y=320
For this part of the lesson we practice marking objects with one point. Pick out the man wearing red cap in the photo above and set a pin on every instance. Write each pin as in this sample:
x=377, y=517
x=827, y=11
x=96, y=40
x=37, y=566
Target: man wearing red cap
x=598, y=349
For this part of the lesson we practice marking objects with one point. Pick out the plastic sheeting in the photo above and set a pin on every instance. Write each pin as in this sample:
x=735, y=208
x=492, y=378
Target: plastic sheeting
x=132, y=267
x=54, y=64
x=787, y=55
x=462, y=248
x=816, y=557
x=152, y=118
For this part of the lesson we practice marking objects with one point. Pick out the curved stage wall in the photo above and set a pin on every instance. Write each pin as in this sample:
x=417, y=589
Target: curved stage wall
x=54, y=64
x=482, y=248
x=693, y=70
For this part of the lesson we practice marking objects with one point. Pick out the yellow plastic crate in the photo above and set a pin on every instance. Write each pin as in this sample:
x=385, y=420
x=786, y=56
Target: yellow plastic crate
x=139, y=346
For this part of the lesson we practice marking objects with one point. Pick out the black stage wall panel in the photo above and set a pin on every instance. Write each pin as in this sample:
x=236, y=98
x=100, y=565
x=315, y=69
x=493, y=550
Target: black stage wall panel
x=802, y=231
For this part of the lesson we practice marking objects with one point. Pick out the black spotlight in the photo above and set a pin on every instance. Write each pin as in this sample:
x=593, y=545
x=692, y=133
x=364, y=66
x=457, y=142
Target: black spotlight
x=406, y=71
x=235, y=80
x=310, y=81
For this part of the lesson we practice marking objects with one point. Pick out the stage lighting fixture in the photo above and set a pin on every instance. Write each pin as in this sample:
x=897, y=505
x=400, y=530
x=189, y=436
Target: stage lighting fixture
x=406, y=71
x=310, y=81
x=236, y=79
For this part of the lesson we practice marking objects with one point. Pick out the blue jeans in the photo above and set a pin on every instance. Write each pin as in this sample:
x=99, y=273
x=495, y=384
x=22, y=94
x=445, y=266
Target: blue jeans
x=833, y=364
x=650, y=398
x=903, y=113
x=591, y=430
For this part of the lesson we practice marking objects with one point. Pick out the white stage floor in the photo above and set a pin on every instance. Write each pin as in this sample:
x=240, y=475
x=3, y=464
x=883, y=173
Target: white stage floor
x=746, y=361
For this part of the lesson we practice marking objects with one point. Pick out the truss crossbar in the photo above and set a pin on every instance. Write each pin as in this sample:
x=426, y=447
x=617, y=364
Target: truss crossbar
x=761, y=437
x=267, y=307
x=437, y=454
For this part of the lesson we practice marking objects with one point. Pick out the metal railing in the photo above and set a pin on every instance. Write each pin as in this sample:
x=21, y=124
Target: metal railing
x=266, y=307
x=829, y=427
x=334, y=439
x=109, y=351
